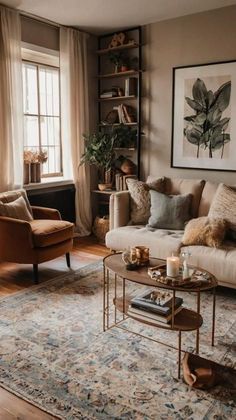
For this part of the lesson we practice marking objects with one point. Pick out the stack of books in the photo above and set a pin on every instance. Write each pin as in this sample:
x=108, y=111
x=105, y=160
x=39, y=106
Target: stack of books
x=109, y=93
x=126, y=114
x=120, y=180
x=156, y=311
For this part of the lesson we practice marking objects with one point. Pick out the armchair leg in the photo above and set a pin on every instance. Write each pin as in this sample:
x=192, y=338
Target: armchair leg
x=68, y=259
x=36, y=273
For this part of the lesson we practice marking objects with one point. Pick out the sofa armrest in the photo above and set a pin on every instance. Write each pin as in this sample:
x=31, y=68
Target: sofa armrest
x=45, y=213
x=14, y=234
x=119, y=209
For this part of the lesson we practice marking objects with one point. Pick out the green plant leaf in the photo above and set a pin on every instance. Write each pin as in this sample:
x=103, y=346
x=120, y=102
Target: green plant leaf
x=222, y=96
x=194, y=104
x=200, y=92
x=193, y=135
x=219, y=141
x=190, y=118
x=223, y=124
x=210, y=98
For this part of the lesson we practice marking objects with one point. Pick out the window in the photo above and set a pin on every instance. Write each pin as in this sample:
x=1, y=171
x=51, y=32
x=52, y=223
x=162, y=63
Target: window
x=42, y=114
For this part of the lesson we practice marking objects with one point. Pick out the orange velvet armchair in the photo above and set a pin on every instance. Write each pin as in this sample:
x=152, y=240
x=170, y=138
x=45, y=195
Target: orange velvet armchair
x=34, y=241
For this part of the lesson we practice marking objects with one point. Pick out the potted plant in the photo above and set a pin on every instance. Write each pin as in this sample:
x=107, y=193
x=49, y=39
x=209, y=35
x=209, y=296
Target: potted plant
x=125, y=136
x=119, y=60
x=99, y=151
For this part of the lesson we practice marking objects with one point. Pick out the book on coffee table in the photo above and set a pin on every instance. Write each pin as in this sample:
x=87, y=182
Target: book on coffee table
x=150, y=316
x=147, y=303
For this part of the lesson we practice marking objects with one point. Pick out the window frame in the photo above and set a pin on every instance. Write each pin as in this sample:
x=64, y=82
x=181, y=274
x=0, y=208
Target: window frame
x=39, y=115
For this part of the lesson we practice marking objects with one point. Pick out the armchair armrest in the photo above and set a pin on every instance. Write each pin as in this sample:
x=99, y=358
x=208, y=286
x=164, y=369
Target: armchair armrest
x=45, y=213
x=14, y=234
x=119, y=209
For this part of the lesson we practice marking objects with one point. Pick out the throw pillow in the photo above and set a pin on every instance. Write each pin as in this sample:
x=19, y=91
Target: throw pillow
x=224, y=205
x=16, y=209
x=205, y=231
x=169, y=212
x=140, y=198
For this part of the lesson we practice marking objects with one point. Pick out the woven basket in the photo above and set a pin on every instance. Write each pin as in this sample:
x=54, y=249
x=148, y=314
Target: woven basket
x=101, y=227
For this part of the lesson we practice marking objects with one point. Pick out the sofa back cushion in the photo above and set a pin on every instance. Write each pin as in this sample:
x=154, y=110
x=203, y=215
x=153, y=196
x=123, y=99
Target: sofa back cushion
x=176, y=186
x=10, y=196
x=208, y=193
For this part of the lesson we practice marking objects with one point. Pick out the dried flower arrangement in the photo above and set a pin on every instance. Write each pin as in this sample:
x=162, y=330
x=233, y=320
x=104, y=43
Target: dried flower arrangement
x=35, y=157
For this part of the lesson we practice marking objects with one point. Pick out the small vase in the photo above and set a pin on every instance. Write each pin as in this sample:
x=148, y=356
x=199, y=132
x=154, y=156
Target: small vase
x=35, y=172
x=26, y=173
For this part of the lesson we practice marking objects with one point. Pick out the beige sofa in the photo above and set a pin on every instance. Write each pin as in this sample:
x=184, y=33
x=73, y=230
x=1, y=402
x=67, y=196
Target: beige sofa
x=161, y=242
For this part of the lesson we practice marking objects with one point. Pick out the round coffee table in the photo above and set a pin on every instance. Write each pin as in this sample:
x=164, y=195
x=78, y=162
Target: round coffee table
x=185, y=320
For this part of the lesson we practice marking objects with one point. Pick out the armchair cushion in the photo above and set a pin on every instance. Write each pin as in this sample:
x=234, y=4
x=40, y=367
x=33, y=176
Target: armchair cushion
x=9, y=196
x=16, y=209
x=50, y=232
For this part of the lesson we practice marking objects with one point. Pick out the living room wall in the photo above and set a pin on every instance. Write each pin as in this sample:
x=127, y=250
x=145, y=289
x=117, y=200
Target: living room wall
x=196, y=39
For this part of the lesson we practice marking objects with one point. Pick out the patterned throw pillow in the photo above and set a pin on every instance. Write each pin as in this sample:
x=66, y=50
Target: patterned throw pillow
x=16, y=209
x=205, y=231
x=224, y=205
x=140, y=198
x=169, y=211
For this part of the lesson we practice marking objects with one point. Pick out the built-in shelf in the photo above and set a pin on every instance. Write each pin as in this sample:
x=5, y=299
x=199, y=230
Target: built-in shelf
x=125, y=148
x=104, y=192
x=120, y=47
x=119, y=98
x=119, y=74
x=118, y=124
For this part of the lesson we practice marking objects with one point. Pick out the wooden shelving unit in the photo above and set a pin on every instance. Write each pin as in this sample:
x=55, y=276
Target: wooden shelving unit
x=108, y=78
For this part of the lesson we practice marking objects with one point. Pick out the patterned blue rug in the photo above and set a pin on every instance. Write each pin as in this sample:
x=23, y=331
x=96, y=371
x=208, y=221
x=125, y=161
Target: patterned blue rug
x=54, y=354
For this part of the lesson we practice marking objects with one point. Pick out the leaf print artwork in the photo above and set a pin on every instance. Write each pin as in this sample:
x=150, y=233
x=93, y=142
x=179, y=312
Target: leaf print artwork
x=206, y=127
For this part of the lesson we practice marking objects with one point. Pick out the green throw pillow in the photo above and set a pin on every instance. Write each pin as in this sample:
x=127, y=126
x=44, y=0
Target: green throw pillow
x=169, y=211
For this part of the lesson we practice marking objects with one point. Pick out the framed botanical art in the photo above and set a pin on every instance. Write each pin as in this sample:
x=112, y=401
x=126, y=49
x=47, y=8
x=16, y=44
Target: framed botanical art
x=204, y=117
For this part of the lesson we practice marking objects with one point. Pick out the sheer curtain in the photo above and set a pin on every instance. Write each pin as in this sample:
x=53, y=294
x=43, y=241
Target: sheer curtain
x=75, y=119
x=11, y=112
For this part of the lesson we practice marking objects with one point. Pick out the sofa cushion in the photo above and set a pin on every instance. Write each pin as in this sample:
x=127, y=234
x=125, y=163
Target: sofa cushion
x=224, y=205
x=169, y=212
x=208, y=193
x=186, y=186
x=50, y=232
x=140, y=198
x=16, y=209
x=205, y=231
x=161, y=243
x=9, y=196
x=220, y=262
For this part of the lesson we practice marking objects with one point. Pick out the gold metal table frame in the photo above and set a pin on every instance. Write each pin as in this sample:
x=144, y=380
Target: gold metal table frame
x=185, y=320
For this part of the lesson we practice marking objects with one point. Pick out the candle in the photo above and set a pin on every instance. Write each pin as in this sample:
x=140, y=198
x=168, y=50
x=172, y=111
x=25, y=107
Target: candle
x=172, y=266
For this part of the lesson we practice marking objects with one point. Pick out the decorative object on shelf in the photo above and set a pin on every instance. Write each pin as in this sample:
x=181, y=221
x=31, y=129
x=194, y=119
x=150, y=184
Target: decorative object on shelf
x=101, y=227
x=99, y=151
x=126, y=114
x=119, y=59
x=172, y=266
x=111, y=118
x=185, y=268
x=125, y=165
x=202, y=129
x=32, y=165
x=117, y=40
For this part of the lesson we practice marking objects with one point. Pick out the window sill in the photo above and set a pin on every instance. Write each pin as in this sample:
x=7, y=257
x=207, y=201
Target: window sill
x=48, y=183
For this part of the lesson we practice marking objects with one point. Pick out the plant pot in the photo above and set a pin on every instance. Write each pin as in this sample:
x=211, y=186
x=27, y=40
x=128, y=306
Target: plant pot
x=26, y=173
x=35, y=172
x=124, y=68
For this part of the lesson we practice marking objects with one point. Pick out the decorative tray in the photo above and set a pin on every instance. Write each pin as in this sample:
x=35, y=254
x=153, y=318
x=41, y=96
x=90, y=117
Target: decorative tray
x=196, y=277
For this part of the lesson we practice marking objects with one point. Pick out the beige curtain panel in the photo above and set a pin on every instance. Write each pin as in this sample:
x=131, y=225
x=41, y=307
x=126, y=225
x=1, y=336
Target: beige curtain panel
x=75, y=119
x=11, y=121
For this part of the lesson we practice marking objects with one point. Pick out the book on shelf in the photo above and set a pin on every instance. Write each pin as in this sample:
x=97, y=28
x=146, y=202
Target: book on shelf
x=130, y=86
x=150, y=316
x=146, y=303
x=127, y=114
x=120, y=181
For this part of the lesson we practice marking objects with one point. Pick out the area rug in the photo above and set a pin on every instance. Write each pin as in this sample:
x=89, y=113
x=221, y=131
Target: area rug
x=54, y=354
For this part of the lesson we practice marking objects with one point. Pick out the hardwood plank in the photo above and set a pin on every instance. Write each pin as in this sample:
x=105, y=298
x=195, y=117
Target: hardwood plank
x=15, y=277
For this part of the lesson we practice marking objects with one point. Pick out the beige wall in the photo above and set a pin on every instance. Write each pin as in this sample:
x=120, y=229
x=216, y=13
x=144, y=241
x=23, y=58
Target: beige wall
x=201, y=38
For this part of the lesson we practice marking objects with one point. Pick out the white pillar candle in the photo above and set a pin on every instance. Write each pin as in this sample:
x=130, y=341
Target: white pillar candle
x=172, y=266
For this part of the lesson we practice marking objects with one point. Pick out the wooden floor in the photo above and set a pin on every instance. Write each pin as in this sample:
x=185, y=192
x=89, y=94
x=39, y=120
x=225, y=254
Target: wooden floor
x=15, y=277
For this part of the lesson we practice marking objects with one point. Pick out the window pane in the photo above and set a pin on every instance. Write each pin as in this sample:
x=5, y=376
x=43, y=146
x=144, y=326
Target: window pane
x=30, y=93
x=53, y=164
x=49, y=91
x=50, y=131
x=31, y=132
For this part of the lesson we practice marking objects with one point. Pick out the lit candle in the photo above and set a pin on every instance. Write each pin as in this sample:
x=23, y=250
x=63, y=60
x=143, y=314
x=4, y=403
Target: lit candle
x=172, y=266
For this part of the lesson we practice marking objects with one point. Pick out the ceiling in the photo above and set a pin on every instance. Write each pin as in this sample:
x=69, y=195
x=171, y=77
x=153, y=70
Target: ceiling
x=99, y=16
